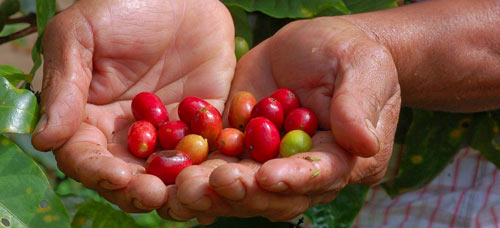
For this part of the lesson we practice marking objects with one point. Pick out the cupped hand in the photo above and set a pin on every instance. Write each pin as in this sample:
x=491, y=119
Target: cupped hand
x=98, y=56
x=345, y=77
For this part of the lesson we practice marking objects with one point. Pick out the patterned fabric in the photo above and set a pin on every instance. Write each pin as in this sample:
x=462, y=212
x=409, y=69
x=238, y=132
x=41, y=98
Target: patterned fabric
x=465, y=194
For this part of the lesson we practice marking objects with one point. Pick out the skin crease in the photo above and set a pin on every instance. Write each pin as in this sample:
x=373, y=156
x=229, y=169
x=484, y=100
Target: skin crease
x=98, y=55
x=355, y=65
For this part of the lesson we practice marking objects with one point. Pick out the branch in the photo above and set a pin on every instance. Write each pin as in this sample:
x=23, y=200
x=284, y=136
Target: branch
x=30, y=19
x=19, y=34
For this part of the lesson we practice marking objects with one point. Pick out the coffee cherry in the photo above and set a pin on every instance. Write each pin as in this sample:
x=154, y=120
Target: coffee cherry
x=287, y=98
x=167, y=164
x=141, y=138
x=171, y=132
x=296, y=141
x=240, y=109
x=207, y=122
x=261, y=139
x=230, y=142
x=302, y=119
x=147, y=106
x=270, y=109
x=189, y=106
x=195, y=146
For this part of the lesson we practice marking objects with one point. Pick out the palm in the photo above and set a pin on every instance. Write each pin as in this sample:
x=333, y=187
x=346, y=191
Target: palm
x=174, y=49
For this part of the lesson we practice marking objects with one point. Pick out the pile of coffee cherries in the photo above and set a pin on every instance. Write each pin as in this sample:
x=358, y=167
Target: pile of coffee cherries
x=255, y=128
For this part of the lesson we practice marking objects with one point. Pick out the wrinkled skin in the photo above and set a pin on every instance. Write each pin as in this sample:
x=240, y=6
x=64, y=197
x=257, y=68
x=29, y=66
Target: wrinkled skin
x=342, y=75
x=98, y=55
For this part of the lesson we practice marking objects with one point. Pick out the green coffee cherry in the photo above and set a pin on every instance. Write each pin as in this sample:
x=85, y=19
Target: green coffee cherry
x=241, y=47
x=294, y=142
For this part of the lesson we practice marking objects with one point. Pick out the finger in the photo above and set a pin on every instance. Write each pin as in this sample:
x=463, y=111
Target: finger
x=206, y=220
x=327, y=168
x=174, y=210
x=226, y=180
x=323, y=198
x=247, y=198
x=144, y=193
x=86, y=159
x=366, y=80
x=193, y=188
x=68, y=47
x=372, y=170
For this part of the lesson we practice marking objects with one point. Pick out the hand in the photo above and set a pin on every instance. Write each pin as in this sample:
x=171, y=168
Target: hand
x=349, y=81
x=98, y=56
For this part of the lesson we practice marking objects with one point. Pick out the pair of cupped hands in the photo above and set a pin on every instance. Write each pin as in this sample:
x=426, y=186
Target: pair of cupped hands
x=100, y=53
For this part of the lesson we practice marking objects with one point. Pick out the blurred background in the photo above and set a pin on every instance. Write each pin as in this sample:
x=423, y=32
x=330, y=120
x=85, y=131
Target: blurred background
x=18, y=52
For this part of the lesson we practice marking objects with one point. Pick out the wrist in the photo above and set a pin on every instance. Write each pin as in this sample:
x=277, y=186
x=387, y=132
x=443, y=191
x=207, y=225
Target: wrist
x=439, y=45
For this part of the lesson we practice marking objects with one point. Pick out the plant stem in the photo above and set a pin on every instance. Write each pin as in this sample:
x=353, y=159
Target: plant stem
x=30, y=19
x=18, y=34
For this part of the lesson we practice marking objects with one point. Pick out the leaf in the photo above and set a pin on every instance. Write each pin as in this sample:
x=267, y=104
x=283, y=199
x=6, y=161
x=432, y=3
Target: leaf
x=289, y=8
x=241, y=26
x=35, y=55
x=432, y=140
x=153, y=220
x=359, y=6
x=342, y=211
x=260, y=222
x=18, y=109
x=266, y=26
x=27, y=200
x=7, y=8
x=486, y=139
x=45, y=10
x=45, y=159
x=101, y=214
x=14, y=75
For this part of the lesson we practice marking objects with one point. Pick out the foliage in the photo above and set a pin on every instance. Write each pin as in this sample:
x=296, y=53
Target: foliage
x=428, y=140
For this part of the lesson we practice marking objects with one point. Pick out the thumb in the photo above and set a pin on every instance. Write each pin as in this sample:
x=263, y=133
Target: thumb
x=67, y=72
x=366, y=81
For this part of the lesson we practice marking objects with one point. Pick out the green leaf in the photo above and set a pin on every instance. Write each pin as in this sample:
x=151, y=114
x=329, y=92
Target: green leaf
x=35, y=55
x=266, y=26
x=432, y=140
x=342, y=211
x=45, y=10
x=101, y=214
x=7, y=8
x=45, y=159
x=153, y=220
x=486, y=139
x=27, y=200
x=359, y=6
x=289, y=8
x=18, y=109
x=230, y=222
x=14, y=75
x=241, y=25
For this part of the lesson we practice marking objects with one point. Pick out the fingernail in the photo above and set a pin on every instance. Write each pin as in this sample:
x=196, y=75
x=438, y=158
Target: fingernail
x=278, y=187
x=371, y=128
x=202, y=204
x=108, y=185
x=42, y=124
x=139, y=205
